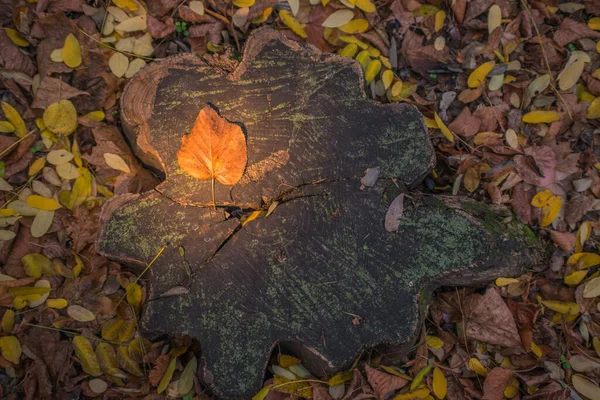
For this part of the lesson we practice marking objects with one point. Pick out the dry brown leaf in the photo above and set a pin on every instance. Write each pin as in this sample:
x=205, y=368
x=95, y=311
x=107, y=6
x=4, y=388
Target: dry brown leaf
x=383, y=383
x=571, y=30
x=489, y=320
x=52, y=90
x=496, y=382
x=537, y=166
x=215, y=149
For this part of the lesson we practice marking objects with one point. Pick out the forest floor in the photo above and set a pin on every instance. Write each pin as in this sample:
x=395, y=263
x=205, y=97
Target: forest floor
x=511, y=95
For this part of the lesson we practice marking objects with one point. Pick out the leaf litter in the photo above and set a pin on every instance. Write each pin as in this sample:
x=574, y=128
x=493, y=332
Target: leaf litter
x=510, y=95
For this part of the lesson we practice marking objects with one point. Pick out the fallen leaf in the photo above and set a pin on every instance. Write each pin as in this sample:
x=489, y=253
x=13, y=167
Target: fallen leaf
x=442, y=126
x=15, y=119
x=338, y=18
x=293, y=23
x=477, y=77
x=186, y=380
x=439, y=384
x=87, y=356
x=116, y=162
x=394, y=213
x=586, y=387
x=488, y=319
x=494, y=18
x=80, y=314
x=215, y=149
x=166, y=378
x=11, y=348
x=496, y=382
x=61, y=117
x=118, y=64
x=71, y=51
x=383, y=383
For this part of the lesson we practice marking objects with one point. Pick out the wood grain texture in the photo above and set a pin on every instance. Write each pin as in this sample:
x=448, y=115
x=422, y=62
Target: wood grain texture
x=298, y=276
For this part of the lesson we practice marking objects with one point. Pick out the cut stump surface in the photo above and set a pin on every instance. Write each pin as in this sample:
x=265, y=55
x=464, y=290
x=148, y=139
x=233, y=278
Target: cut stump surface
x=301, y=274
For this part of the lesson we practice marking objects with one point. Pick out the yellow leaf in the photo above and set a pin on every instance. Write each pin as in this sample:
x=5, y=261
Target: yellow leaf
x=71, y=51
x=58, y=304
x=15, y=119
x=11, y=348
x=287, y=361
x=471, y=180
x=535, y=349
x=134, y=294
x=420, y=376
x=421, y=393
x=243, y=3
x=350, y=50
x=584, y=260
x=352, y=39
x=598, y=47
x=107, y=358
x=6, y=127
x=116, y=162
x=387, y=77
x=27, y=291
x=35, y=263
x=338, y=18
x=596, y=344
x=593, y=111
x=551, y=210
x=56, y=55
x=586, y=387
x=8, y=321
x=42, y=203
x=127, y=363
x=292, y=23
x=365, y=5
x=364, y=59
x=87, y=357
x=127, y=330
x=512, y=390
x=128, y=4
x=262, y=393
x=434, y=342
x=118, y=64
x=440, y=18
x=186, y=380
x=77, y=267
x=61, y=117
x=538, y=117
x=372, y=70
x=566, y=308
x=570, y=75
x=425, y=10
x=594, y=23
x=37, y=166
x=110, y=329
x=97, y=116
x=42, y=222
x=494, y=18
x=166, y=378
x=476, y=366
x=16, y=38
x=500, y=282
x=58, y=157
x=80, y=314
x=430, y=123
x=355, y=26
x=340, y=378
x=440, y=385
x=138, y=23
x=541, y=199
x=477, y=77
x=447, y=132
x=575, y=278
x=397, y=91
x=592, y=288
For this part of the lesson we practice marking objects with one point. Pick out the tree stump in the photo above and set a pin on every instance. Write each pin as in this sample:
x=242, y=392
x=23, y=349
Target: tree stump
x=290, y=133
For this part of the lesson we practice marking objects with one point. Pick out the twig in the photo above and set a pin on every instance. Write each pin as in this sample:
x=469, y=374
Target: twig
x=113, y=48
x=15, y=143
x=229, y=24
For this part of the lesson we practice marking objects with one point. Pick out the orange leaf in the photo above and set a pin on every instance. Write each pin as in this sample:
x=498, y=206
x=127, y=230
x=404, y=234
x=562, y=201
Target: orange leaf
x=215, y=149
